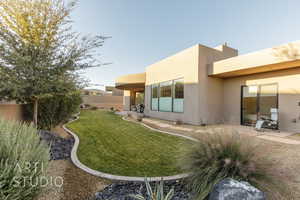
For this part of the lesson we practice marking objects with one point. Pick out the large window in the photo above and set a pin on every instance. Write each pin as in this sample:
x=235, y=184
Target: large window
x=154, y=97
x=165, y=98
x=178, y=95
x=168, y=96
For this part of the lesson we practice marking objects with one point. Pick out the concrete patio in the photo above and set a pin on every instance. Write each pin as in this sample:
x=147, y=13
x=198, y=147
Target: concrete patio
x=266, y=134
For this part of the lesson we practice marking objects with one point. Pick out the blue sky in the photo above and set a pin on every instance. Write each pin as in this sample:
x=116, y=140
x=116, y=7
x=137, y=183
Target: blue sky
x=145, y=31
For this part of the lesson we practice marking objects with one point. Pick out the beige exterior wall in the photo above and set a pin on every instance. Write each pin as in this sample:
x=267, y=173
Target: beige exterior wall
x=104, y=101
x=12, y=112
x=181, y=65
x=211, y=89
x=202, y=94
x=289, y=96
x=126, y=100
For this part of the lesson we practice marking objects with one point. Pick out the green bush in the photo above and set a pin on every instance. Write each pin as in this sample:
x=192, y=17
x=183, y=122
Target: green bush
x=157, y=194
x=53, y=111
x=23, y=161
x=219, y=156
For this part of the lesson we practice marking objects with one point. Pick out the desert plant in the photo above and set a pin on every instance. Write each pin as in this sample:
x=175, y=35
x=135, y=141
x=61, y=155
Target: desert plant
x=157, y=194
x=218, y=156
x=23, y=161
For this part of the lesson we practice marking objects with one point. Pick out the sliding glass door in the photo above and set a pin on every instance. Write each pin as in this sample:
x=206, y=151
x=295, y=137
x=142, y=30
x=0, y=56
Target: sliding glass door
x=257, y=102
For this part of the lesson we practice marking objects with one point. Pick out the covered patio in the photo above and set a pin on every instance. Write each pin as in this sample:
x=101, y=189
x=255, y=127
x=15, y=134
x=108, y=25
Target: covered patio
x=134, y=90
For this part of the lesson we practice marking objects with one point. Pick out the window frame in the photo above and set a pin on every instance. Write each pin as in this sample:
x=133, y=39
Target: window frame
x=158, y=85
x=174, y=93
x=151, y=97
x=159, y=107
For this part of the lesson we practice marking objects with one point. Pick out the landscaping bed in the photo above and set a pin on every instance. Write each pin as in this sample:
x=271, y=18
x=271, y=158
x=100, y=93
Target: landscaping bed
x=122, y=190
x=111, y=145
x=60, y=148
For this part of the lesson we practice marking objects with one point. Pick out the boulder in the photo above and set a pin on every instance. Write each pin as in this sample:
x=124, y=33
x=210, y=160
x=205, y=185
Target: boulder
x=230, y=189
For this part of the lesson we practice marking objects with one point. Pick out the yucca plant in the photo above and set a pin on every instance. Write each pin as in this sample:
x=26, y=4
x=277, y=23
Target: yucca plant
x=221, y=155
x=23, y=161
x=157, y=194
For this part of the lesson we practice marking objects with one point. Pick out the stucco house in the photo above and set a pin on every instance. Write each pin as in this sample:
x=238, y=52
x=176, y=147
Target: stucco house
x=216, y=85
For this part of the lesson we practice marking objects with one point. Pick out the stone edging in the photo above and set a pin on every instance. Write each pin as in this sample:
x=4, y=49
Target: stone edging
x=83, y=167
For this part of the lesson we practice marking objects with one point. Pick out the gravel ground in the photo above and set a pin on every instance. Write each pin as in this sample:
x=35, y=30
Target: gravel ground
x=122, y=190
x=60, y=147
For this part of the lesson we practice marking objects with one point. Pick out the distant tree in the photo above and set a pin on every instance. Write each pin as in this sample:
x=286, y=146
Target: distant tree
x=40, y=55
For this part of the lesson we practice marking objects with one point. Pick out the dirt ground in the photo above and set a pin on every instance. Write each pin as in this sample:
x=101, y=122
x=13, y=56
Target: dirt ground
x=77, y=185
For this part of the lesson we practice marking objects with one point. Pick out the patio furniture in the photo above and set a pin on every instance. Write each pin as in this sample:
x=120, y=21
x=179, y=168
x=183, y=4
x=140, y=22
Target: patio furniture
x=270, y=123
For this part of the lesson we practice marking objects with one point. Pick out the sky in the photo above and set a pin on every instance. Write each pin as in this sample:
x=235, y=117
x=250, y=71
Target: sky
x=146, y=31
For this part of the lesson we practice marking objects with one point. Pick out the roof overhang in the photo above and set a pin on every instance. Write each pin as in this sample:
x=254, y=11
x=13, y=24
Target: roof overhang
x=131, y=82
x=267, y=60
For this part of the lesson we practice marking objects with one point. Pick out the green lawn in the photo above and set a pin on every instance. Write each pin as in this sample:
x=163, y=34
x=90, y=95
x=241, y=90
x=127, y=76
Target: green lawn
x=112, y=145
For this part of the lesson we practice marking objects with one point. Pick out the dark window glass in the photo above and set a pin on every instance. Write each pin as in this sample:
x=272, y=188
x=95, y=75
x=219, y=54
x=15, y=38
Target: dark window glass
x=178, y=89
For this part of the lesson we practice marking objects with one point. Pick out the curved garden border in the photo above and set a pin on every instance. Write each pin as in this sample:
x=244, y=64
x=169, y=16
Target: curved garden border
x=85, y=168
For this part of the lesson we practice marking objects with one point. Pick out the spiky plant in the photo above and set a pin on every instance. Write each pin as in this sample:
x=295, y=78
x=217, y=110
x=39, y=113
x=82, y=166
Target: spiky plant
x=221, y=155
x=23, y=161
x=157, y=194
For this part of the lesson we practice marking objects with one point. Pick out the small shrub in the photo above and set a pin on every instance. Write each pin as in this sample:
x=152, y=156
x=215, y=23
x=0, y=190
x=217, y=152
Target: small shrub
x=217, y=157
x=23, y=161
x=112, y=109
x=157, y=194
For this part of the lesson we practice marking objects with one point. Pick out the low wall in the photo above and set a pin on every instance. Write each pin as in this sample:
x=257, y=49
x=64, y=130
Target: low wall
x=12, y=111
x=106, y=102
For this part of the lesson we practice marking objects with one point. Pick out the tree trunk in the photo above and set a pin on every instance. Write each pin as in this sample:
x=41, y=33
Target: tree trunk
x=35, y=112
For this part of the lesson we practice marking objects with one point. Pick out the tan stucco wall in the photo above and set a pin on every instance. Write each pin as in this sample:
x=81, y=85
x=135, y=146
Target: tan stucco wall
x=211, y=89
x=12, y=111
x=181, y=65
x=289, y=96
x=104, y=101
x=202, y=94
x=126, y=100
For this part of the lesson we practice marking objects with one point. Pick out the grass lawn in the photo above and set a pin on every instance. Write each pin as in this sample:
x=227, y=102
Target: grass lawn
x=112, y=145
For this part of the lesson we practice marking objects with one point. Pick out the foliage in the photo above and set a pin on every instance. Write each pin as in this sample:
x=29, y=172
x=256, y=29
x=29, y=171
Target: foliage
x=219, y=156
x=23, y=161
x=56, y=110
x=157, y=194
x=40, y=55
x=112, y=145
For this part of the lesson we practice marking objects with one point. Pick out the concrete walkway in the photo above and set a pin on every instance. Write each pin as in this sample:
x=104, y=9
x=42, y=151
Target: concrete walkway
x=270, y=135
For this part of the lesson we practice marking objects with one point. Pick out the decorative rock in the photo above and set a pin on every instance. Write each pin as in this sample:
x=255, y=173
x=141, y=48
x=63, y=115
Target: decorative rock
x=122, y=190
x=60, y=148
x=230, y=189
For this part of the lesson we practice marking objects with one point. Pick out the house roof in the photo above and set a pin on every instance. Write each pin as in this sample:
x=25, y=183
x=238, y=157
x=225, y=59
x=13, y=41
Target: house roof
x=281, y=57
